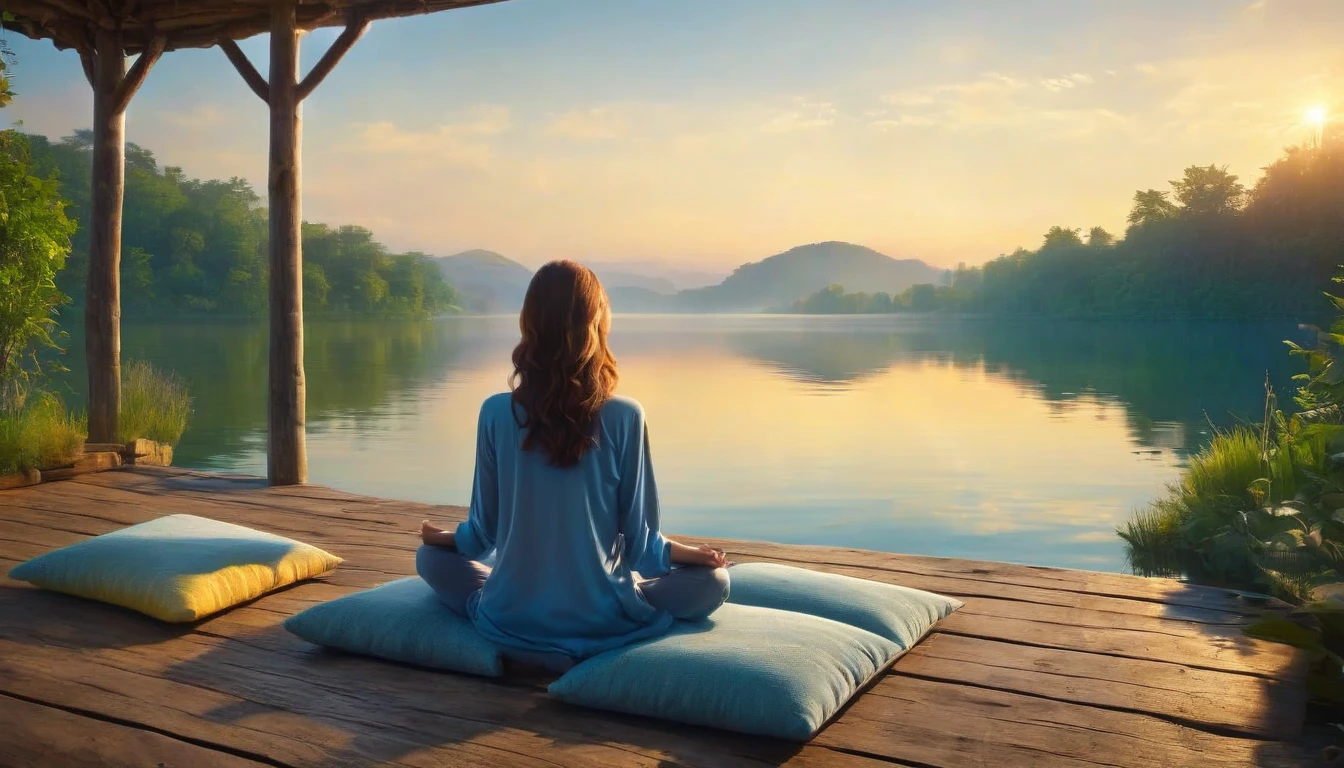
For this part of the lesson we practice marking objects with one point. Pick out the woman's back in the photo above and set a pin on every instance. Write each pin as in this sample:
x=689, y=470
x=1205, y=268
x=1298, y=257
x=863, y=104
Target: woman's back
x=566, y=539
x=564, y=495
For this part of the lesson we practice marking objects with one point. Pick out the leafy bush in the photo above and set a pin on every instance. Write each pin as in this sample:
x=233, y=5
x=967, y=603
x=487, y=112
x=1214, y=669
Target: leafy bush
x=1256, y=509
x=34, y=241
x=154, y=404
x=41, y=434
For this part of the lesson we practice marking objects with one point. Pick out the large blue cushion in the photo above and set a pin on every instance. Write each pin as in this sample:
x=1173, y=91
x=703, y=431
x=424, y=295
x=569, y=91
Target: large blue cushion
x=748, y=669
x=900, y=614
x=402, y=621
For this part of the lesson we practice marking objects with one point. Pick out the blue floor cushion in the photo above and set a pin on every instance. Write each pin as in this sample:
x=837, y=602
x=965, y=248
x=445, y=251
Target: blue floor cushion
x=177, y=568
x=900, y=614
x=401, y=621
x=754, y=670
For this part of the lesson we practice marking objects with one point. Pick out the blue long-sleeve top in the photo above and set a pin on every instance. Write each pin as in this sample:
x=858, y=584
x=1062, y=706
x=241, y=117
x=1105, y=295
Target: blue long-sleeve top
x=565, y=540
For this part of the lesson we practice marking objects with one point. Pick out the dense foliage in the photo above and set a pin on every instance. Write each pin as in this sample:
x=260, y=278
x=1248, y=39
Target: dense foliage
x=195, y=247
x=35, y=429
x=1207, y=248
x=34, y=242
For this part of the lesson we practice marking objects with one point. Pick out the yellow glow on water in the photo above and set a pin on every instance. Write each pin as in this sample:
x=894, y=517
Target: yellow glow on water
x=913, y=456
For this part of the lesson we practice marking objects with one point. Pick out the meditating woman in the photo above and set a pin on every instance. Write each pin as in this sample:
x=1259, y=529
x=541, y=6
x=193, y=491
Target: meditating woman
x=564, y=495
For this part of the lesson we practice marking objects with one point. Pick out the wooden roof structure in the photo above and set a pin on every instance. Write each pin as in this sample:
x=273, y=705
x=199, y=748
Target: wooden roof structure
x=105, y=32
x=194, y=23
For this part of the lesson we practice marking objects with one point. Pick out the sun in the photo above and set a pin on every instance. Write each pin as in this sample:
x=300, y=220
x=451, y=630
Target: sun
x=1315, y=115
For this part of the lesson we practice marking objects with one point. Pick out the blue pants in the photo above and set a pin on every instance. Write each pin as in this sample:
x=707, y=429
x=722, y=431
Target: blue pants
x=690, y=592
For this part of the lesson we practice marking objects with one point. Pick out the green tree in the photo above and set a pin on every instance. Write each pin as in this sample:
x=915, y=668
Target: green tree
x=1208, y=191
x=34, y=242
x=198, y=247
x=1059, y=237
x=923, y=297
x=1150, y=207
x=1098, y=237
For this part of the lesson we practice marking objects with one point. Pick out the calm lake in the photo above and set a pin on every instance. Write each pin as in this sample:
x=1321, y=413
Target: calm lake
x=1026, y=442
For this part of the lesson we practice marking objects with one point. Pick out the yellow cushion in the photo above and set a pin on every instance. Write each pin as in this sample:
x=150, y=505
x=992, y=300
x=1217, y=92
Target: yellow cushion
x=177, y=568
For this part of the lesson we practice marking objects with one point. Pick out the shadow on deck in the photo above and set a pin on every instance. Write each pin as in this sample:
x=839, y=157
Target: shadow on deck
x=1043, y=666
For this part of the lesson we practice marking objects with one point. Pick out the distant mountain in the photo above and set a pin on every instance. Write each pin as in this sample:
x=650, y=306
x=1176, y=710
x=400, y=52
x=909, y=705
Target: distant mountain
x=491, y=283
x=783, y=278
x=613, y=279
x=488, y=282
x=677, y=277
x=631, y=299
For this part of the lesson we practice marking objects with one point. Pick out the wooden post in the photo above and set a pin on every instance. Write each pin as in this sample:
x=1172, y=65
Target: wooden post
x=287, y=456
x=287, y=450
x=102, y=302
x=113, y=88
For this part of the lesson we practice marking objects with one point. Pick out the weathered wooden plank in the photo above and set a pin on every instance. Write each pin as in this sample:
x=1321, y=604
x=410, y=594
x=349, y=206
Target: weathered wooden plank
x=1168, y=591
x=1140, y=637
x=371, y=517
x=273, y=657
x=1217, y=648
x=39, y=735
x=84, y=464
x=284, y=718
x=1213, y=701
x=241, y=659
x=99, y=447
x=380, y=706
x=21, y=479
x=936, y=723
x=1061, y=580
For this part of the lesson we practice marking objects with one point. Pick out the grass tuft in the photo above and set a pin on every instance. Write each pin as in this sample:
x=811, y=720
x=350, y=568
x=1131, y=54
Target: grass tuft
x=40, y=434
x=154, y=404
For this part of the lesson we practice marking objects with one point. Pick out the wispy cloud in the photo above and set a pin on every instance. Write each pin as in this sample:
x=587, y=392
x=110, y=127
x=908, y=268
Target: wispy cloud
x=994, y=99
x=901, y=121
x=988, y=83
x=1258, y=6
x=1057, y=84
x=804, y=115
x=463, y=142
x=593, y=124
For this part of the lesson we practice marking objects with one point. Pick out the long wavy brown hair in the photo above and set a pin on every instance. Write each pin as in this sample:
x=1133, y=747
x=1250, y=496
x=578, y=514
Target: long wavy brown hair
x=563, y=372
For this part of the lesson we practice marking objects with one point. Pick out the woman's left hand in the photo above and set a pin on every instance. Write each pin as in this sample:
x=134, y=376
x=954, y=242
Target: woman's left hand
x=714, y=558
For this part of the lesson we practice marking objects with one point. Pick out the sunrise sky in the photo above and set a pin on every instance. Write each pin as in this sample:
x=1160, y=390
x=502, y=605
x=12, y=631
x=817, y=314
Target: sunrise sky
x=707, y=133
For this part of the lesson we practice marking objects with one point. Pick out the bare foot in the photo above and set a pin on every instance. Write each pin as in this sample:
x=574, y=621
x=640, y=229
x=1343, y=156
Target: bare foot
x=433, y=534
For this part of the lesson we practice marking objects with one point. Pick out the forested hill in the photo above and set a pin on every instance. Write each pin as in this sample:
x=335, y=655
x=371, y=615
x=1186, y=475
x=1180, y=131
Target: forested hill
x=487, y=281
x=1207, y=247
x=781, y=278
x=198, y=248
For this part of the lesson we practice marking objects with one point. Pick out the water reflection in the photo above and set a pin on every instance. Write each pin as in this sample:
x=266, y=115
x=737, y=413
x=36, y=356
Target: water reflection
x=1025, y=441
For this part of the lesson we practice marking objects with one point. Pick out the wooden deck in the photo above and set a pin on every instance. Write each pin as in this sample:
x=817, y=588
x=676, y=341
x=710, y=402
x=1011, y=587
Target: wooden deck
x=1042, y=667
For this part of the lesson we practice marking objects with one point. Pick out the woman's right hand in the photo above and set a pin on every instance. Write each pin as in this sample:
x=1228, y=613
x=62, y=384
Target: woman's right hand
x=703, y=555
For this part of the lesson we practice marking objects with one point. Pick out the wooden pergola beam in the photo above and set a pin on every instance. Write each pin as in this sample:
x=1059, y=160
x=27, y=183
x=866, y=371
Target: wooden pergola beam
x=284, y=92
x=105, y=32
x=197, y=23
x=287, y=454
x=136, y=77
x=354, y=30
x=113, y=88
x=244, y=66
